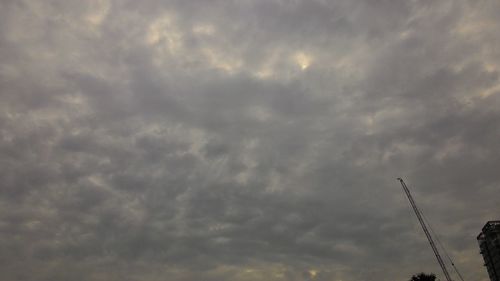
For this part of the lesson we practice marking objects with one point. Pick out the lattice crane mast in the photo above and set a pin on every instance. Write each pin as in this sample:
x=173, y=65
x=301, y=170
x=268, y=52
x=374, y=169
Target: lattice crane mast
x=426, y=231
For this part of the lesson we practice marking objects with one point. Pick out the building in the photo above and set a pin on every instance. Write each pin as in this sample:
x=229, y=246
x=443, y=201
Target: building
x=489, y=243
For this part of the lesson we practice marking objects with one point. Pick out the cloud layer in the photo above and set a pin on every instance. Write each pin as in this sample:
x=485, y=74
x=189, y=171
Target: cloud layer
x=245, y=140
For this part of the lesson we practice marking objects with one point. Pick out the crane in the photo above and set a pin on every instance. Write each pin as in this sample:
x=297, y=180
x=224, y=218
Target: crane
x=426, y=231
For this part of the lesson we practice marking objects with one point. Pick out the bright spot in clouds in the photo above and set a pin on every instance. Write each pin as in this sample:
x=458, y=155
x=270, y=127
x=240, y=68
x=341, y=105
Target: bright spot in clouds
x=303, y=60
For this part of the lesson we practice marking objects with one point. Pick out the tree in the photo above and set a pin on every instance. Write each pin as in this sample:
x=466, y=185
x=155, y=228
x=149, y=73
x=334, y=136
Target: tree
x=423, y=277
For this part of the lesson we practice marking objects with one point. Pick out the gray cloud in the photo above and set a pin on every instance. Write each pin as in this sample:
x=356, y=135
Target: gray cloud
x=245, y=140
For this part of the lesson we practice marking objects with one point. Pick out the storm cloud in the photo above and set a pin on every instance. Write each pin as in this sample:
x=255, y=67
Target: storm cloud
x=245, y=139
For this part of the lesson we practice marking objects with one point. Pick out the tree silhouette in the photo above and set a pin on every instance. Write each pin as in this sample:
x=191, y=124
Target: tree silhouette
x=423, y=277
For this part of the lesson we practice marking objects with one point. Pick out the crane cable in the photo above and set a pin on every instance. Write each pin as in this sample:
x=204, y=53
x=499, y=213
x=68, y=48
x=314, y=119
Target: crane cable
x=442, y=247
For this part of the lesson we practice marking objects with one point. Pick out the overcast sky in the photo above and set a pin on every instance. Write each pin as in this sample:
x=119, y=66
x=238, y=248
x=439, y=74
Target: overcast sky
x=245, y=140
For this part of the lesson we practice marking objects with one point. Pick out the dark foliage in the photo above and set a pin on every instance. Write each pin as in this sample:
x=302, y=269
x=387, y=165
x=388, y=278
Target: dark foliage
x=423, y=277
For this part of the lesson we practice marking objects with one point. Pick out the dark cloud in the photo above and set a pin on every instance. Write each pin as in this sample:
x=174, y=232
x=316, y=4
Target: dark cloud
x=245, y=140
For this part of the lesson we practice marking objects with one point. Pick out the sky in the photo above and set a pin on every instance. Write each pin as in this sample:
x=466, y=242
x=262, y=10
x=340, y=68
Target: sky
x=246, y=140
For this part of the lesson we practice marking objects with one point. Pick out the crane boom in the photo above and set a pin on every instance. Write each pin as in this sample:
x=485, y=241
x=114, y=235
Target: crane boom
x=426, y=231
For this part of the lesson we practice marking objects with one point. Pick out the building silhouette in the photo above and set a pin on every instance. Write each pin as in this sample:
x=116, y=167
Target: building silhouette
x=489, y=243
